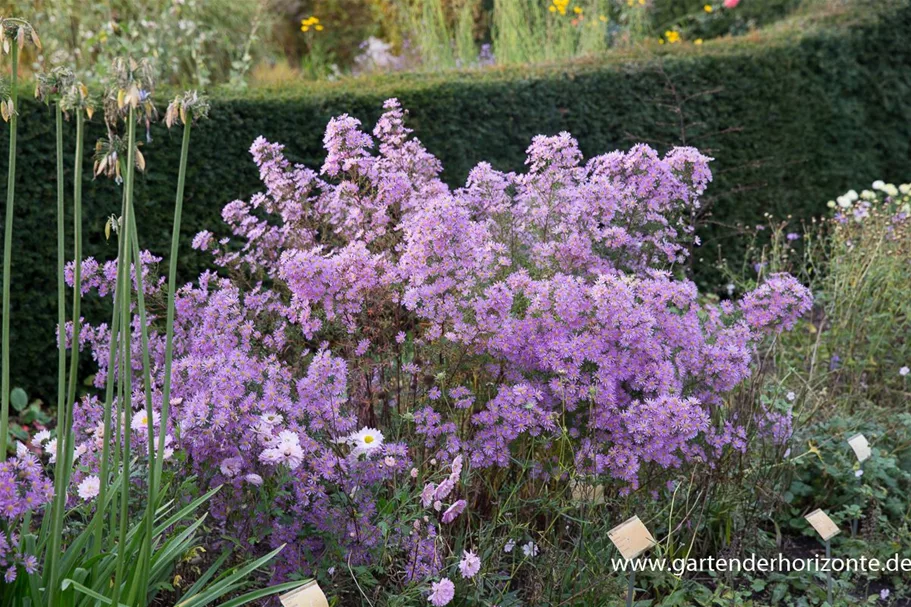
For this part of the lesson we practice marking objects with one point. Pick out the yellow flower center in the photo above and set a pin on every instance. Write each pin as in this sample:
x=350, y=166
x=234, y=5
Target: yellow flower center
x=368, y=439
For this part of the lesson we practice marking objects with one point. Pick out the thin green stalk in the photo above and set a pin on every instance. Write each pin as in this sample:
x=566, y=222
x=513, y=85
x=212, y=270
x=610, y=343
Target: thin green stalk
x=8, y=249
x=98, y=521
x=142, y=568
x=77, y=295
x=172, y=288
x=59, y=502
x=126, y=368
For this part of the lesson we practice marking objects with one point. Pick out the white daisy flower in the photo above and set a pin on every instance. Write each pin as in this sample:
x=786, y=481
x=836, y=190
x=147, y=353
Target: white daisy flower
x=530, y=550
x=366, y=441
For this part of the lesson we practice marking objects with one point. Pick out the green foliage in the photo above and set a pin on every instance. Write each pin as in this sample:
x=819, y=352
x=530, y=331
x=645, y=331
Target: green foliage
x=793, y=117
x=197, y=42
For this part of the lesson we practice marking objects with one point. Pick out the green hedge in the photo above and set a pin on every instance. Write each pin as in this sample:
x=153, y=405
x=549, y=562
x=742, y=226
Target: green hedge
x=793, y=115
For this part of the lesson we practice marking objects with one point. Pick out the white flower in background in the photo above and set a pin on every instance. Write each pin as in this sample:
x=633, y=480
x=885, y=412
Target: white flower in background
x=844, y=202
x=530, y=550
x=50, y=449
x=858, y=473
x=509, y=546
x=79, y=452
x=254, y=479
x=21, y=449
x=891, y=190
x=285, y=449
x=140, y=420
x=89, y=487
x=904, y=371
x=879, y=184
x=366, y=441
x=791, y=396
x=40, y=438
x=851, y=195
x=905, y=188
x=271, y=418
x=98, y=435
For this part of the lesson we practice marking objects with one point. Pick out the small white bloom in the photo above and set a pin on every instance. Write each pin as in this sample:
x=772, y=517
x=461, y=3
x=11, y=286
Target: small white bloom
x=904, y=371
x=851, y=195
x=79, y=452
x=879, y=184
x=858, y=473
x=331, y=570
x=89, y=487
x=140, y=421
x=891, y=190
x=50, y=448
x=791, y=396
x=271, y=419
x=254, y=479
x=41, y=437
x=509, y=546
x=365, y=441
x=905, y=188
x=844, y=202
x=21, y=449
x=530, y=550
x=286, y=449
x=389, y=461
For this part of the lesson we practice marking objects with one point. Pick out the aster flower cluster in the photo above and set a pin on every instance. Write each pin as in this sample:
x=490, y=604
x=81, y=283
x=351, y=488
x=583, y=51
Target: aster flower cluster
x=24, y=490
x=477, y=325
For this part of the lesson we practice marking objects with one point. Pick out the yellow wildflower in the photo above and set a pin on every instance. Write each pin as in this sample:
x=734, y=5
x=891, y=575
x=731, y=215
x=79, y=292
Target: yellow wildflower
x=602, y=18
x=309, y=22
x=577, y=10
x=671, y=36
x=697, y=41
x=708, y=8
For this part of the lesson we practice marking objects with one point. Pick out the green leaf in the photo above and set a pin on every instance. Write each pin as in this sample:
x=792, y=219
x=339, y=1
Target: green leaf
x=18, y=398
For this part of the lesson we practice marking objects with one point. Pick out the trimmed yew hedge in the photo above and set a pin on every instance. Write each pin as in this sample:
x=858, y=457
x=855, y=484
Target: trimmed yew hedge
x=794, y=115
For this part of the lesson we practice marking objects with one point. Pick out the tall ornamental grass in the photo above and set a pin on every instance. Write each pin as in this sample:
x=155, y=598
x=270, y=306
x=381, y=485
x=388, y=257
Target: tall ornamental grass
x=100, y=525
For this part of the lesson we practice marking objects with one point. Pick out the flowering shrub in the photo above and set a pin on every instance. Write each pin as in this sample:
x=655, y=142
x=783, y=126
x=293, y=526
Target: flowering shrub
x=383, y=340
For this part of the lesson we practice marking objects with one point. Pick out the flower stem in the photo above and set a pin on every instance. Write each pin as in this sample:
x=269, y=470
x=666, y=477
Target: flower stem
x=8, y=250
x=172, y=286
x=126, y=368
x=63, y=410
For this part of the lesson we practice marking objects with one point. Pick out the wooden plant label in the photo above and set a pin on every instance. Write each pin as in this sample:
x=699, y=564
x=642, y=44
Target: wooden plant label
x=588, y=493
x=308, y=595
x=823, y=525
x=631, y=538
x=861, y=447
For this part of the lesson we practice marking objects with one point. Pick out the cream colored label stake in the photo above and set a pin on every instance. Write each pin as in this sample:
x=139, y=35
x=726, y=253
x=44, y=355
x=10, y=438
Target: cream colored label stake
x=861, y=447
x=308, y=595
x=631, y=538
x=823, y=525
x=588, y=493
